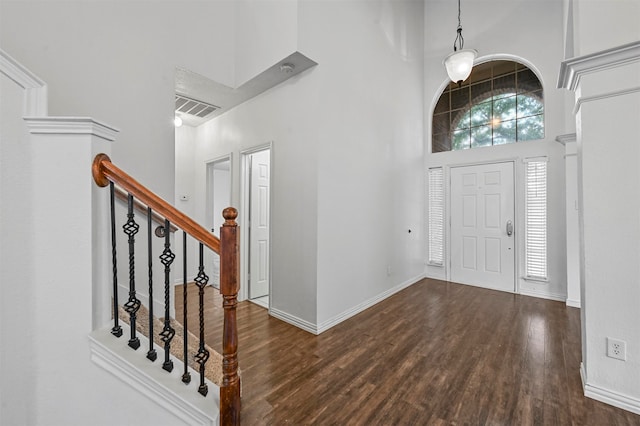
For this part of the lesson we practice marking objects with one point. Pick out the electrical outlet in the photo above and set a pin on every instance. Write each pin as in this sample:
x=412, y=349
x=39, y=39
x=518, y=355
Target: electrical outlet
x=388, y=270
x=616, y=349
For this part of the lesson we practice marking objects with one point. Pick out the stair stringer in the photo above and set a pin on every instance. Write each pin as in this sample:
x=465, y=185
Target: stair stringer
x=164, y=388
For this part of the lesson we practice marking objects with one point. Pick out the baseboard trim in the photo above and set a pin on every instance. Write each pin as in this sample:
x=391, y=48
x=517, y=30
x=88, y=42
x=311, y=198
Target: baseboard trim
x=548, y=296
x=326, y=325
x=573, y=303
x=608, y=396
x=148, y=378
x=331, y=322
x=293, y=320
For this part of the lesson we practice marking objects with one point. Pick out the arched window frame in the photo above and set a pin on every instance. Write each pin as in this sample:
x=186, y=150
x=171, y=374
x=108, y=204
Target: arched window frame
x=443, y=132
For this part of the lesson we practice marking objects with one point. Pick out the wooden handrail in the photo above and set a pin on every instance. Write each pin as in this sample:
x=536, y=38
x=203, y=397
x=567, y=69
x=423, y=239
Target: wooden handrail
x=121, y=194
x=104, y=171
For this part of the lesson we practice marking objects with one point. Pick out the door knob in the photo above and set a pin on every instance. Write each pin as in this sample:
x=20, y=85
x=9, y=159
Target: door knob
x=509, y=228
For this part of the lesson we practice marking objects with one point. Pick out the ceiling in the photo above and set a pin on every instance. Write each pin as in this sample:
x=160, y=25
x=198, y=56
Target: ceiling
x=216, y=98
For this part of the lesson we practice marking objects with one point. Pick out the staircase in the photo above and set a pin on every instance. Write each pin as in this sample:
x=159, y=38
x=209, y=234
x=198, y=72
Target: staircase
x=65, y=363
x=105, y=173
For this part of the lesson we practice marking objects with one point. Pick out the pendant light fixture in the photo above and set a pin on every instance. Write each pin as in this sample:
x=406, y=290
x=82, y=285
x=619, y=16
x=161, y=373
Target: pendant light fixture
x=460, y=62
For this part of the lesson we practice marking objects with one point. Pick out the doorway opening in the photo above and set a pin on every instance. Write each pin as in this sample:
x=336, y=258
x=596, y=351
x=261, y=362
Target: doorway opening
x=218, y=198
x=256, y=199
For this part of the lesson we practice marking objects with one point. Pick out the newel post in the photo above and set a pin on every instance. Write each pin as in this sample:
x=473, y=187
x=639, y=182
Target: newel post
x=229, y=286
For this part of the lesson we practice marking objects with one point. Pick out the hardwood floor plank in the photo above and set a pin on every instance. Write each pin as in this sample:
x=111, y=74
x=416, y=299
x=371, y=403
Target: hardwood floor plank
x=436, y=353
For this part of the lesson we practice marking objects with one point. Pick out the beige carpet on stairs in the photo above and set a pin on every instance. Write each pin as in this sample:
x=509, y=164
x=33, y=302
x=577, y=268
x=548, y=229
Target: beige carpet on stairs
x=213, y=367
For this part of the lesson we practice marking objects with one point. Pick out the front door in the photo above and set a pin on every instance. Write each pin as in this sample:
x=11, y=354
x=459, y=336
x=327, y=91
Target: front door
x=482, y=226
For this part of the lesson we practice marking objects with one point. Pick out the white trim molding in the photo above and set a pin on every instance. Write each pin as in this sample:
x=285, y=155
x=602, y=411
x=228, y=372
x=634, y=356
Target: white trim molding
x=36, y=92
x=607, y=396
x=572, y=70
x=337, y=319
x=613, y=94
x=544, y=295
x=573, y=303
x=343, y=316
x=71, y=126
x=293, y=320
x=565, y=139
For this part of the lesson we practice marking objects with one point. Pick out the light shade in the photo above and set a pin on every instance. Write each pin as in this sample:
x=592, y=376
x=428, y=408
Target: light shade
x=459, y=64
x=177, y=121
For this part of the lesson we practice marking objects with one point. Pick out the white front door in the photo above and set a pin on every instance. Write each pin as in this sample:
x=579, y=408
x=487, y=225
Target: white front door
x=482, y=226
x=259, y=224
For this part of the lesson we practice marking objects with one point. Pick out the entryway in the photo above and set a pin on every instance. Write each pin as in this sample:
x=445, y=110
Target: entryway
x=482, y=226
x=218, y=198
x=256, y=196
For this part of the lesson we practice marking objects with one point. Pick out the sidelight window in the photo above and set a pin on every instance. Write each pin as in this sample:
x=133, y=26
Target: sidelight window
x=436, y=216
x=536, y=218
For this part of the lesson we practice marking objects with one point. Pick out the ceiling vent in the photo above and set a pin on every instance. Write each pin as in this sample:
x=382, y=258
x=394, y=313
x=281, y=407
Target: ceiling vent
x=193, y=107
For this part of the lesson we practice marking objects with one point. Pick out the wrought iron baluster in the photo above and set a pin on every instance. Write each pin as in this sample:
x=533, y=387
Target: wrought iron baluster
x=168, y=332
x=203, y=354
x=116, y=330
x=186, y=376
x=133, y=304
x=151, y=354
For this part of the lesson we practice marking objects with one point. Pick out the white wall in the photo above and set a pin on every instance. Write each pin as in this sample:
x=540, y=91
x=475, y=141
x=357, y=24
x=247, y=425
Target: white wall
x=285, y=116
x=116, y=60
x=185, y=151
x=266, y=31
x=368, y=124
x=508, y=29
x=16, y=217
x=603, y=24
x=347, y=171
x=47, y=228
x=607, y=98
x=611, y=206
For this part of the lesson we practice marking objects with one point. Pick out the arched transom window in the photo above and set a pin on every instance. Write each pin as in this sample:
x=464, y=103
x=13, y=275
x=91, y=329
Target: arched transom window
x=501, y=102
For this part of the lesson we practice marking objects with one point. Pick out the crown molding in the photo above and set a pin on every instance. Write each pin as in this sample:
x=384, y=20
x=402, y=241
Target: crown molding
x=571, y=70
x=71, y=126
x=35, y=88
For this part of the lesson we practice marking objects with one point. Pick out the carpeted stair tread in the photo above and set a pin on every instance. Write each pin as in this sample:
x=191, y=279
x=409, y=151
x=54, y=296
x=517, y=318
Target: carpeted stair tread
x=213, y=367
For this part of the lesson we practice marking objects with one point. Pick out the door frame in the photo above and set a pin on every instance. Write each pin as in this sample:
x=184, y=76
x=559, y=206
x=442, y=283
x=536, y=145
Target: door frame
x=209, y=187
x=518, y=214
x=209, y=183
x=243, y=217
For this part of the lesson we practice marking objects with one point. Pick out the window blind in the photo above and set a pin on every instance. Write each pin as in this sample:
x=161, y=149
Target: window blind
x=436, y=216
x=536, y=219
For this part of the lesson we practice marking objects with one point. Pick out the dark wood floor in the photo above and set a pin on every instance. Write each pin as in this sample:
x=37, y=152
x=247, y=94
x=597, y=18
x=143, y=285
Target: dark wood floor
x=436, y=353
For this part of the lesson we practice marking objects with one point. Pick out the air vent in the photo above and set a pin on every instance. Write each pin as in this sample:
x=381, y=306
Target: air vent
x=193, y=107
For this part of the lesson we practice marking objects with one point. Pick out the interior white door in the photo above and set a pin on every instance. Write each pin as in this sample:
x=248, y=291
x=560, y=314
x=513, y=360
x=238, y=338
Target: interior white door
x=482, y=226
x=259, y=224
